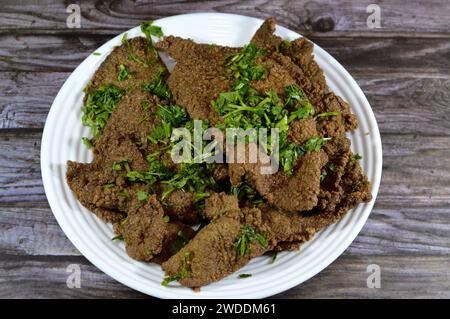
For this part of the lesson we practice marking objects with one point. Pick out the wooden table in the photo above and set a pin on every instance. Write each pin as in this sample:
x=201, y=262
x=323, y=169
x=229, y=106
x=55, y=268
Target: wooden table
x=403, y=68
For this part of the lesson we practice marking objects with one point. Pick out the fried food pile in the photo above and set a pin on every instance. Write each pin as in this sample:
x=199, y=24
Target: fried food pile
x=200, y=220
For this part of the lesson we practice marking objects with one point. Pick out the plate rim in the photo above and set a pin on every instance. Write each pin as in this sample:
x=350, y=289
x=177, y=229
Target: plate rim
x=357, y=227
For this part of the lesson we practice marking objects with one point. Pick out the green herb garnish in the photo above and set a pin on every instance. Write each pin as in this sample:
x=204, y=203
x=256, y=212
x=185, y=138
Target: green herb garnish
x=122, y=164
x=183, y=273
x=290, y=152
x=326, y=114
x=158, y=86
x=118, y=237
x=87, y=142
x=157, y=170
x=355, y=157
x=242, y=276
x=248, y=192
x=179, y=242
x=145, y=104
x=124, y=73
x=323, y=175
x=246, y=236
x=142, y=196
x=173, y=114
x=243, y=68
x=99, y=106
x=274, y=257
x=150, y=30
x=124, y=37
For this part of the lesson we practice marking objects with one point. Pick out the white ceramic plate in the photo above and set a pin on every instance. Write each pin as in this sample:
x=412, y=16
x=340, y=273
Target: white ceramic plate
x=61, y=141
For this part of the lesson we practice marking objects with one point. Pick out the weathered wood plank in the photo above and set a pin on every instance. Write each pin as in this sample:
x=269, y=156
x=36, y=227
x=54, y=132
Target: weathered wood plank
x=32, y=230
x=26, y=97
x=319, y=16
x=401, y=277
x=371, y=55
x=398, y=100
x=45, y=277
x=20, y=176
x=409, y=104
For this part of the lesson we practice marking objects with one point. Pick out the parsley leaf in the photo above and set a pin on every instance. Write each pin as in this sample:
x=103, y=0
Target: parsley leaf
x=158, y=86
x=87, y=142
x=124, y=73
x=118, y=237
x=142, y=196
x=183, y=273
x=179, y=242
x=290, y=152
x=246, y=236
x=242, y=66
x=99, y=106
x=246, y=191
x=355, y=157
x=173, y=114
x=149, y=29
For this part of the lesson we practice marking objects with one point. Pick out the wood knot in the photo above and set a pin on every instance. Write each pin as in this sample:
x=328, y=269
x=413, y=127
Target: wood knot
x=325, y=24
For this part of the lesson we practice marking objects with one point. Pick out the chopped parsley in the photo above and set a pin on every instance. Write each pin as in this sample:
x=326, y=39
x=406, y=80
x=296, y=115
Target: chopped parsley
x=158, y=86
x=124, y=37
x=120, y=165
x=118, y=237
x=145, y=104
x=355, y=157
x=149, y=30
x=99, y=106
x=194, y=177
x=157, y=170
x=246, y=236
x=290, y=152
x=326, y=114
x=242, y=66
x=160, y=133
x=274, y=257
x=247, y=192
x=124, y=73
x=87, y=142
x=183, y=273
x=173, y=114
x=242, y=276
x=179, y=242
x=323, y=175
x=245, y=108
x=142, y=196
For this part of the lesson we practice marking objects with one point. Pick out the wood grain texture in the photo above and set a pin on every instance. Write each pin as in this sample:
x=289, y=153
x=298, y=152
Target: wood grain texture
x=320, y=16
x=401, y=277
x=402, y=68
x=45, y=277
x=368, y=55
